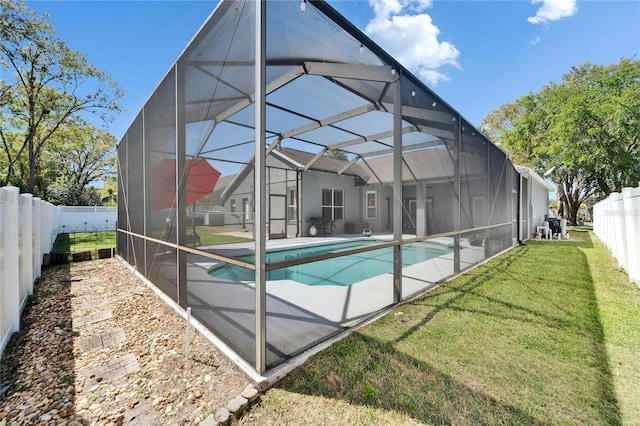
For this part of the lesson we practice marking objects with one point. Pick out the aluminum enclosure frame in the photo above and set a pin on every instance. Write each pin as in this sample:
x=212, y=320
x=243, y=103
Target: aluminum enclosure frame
x=237, y=97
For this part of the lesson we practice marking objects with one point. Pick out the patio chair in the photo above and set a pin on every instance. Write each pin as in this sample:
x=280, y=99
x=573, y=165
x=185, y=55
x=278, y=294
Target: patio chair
x=563, y=229
x=546, y=231
x=556, y=230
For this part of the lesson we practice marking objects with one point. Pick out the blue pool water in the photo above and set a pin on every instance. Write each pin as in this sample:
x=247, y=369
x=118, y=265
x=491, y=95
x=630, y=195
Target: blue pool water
x=339, y=271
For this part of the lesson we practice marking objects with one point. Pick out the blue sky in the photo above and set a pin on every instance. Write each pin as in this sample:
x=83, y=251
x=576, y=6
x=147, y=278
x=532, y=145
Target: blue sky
x=477, y=55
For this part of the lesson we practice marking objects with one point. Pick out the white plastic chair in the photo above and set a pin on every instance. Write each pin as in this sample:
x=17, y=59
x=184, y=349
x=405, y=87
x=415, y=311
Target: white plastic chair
x=563, y=229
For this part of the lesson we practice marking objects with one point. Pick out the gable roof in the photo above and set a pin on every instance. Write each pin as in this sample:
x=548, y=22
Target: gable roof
x=324, y=163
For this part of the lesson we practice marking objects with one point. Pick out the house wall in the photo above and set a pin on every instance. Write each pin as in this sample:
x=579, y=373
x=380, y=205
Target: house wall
x=539, y=204
x=526, y=226
x=434, y=207
x=239, y=205
x=312, y=185
x=235, y=218
x=426, y=221
x=536, y=205
x=383, y=221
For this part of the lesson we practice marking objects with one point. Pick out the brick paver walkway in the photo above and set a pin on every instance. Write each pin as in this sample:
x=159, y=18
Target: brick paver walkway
x=142, y=414
x=91, y=318
x=101, y=341
x=112, y=370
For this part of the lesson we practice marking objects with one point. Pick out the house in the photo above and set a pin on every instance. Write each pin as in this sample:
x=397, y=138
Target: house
x=338, y=196
x=534, y=201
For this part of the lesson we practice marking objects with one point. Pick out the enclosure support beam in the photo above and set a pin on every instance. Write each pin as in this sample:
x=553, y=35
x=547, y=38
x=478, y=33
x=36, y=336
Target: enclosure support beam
x=404, y=149
x=181, y=211
x=314, y=159
x=259, y=233
x=353, y=71
x=456, y=191
x=397, y=189
x=349, y=164
x=371, y=138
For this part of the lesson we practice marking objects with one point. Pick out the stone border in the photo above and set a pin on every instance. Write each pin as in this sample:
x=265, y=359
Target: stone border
x=234, y=409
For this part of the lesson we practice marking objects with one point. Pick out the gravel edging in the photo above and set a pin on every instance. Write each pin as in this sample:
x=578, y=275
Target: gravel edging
x=96, y=346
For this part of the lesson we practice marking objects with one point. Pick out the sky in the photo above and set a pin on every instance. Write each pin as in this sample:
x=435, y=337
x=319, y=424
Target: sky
x=476, y=54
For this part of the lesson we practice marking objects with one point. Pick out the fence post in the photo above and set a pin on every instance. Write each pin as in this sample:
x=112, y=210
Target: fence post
x=27, y=245
x=618, y=229
x=631, y=199
x=10, y=241
x=48, y=230
x=37, y=237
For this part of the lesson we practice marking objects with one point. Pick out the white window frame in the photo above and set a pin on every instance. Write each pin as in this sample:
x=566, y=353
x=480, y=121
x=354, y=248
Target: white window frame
x=292, y=203
x=371, y=205
x=333, y=206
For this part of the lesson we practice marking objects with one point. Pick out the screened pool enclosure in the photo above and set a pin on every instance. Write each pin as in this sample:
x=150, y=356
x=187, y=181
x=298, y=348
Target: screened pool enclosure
x=288, y=179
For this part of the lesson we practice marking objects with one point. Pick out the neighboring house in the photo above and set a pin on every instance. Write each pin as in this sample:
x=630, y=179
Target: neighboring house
x=534, y=199
x=339, y=196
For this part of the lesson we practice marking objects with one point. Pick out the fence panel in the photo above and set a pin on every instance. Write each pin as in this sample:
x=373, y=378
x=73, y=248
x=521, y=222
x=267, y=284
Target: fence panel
x=86, y=219
x=616, y=222
x=5, y=314
x=25, y=230
x=26, y=225
x=10, y=273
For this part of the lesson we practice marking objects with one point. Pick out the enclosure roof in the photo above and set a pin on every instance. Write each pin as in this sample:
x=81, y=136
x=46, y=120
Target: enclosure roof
x=329, y=87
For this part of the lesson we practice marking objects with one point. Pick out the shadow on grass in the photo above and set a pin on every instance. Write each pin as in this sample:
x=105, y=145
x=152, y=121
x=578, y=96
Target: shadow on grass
x=386, y=378
x=565, y=377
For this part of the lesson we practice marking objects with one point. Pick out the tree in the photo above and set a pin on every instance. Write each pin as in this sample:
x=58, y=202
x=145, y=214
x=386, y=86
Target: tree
x=67, y=193
x=582, y=133
x=82, y=153
x=337, y=154
x=108, y=194
x=50, y=84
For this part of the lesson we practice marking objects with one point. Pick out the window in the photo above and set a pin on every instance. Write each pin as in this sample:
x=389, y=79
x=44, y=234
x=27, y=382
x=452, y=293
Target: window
x=292, y=204
x=332, y=204
x=479, y=211
x=430, y=215
x=246, y=210
x=372, y=205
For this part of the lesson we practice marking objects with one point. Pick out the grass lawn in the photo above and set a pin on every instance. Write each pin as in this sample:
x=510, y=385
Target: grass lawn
x=92, y=241
x=84, y=241
x=213, y=235
x=548, y=333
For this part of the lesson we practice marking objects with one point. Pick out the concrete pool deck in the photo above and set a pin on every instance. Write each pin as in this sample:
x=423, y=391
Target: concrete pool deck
x=300, y=316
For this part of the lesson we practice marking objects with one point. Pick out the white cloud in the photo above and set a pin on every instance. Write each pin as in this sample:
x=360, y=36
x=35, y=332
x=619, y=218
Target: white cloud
x=553, y=10
x=535, y=41
x=433, y=76
x=411, y=37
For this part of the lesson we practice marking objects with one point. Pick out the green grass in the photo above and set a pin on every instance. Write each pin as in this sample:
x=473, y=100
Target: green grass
x=212, y=235
x=84, y=241
x=548, y=333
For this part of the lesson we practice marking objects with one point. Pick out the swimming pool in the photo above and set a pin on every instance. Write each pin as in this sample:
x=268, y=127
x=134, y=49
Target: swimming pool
x=338, y=271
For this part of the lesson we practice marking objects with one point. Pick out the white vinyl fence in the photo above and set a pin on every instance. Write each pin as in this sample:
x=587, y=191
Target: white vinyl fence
x=84, y=219
x=28, y=228
x=616, y=221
